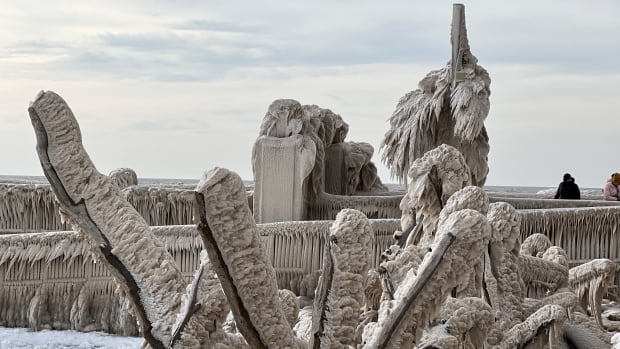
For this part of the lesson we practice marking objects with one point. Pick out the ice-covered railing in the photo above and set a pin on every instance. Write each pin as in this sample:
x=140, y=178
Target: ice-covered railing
x=33, y=208
x=296, y=249
x=545, y=194
x=523, y=203
x=584, y=233
x=26, y=208
x=162, y=206
x=49, y=280
x=327, y=206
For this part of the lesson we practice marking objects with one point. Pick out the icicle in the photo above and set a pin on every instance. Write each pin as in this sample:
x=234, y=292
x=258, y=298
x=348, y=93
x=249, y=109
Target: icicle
x=590, y=281
x=327, y=206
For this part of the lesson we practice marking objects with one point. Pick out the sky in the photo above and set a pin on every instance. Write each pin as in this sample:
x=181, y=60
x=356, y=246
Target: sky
x=174, y=88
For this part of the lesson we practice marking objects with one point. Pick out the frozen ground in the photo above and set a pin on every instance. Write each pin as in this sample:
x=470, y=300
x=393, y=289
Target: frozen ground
x=21, y=338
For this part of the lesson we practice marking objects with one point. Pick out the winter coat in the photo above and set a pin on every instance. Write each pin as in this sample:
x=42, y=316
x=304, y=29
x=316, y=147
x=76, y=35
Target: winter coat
x=610, y=191
x=568, y=190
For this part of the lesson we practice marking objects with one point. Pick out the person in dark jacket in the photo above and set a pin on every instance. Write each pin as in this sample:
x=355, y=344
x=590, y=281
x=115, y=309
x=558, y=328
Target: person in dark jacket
x=568, y=189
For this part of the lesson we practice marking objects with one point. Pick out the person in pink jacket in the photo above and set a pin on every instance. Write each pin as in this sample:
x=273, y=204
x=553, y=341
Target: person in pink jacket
x=610, y=190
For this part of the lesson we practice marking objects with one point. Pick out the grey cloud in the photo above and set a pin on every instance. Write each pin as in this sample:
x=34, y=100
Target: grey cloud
x=37, y=46
x=143, y=41
x=177, y=53
x=171, y=125
x=216, y=26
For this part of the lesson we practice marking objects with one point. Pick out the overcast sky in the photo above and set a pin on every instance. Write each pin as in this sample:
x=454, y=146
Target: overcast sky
x=173, y=88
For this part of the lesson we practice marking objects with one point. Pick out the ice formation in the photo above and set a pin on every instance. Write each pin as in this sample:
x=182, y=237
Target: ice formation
x=96, y=208
x=449, y=107
x=501, y=273
x=247, y=277
x=323, y=131
x=434, y=178
x=161, y=206
x=401, y=320
x=124, y=177
x=28, y=208
x=339, y=297
x=590, y=281
x=303, y=167
x=58, y=266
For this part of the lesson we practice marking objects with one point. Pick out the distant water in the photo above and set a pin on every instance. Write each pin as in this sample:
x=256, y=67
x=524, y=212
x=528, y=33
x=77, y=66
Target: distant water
x=191, y=183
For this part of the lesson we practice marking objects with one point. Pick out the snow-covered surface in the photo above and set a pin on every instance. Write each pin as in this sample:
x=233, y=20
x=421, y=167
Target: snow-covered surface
x=21, y=338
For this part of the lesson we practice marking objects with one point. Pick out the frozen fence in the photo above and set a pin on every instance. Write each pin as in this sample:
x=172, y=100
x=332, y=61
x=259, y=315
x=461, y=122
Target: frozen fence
x=374, y=207
x=522, y=203
x=27, y=208
x=49, y=280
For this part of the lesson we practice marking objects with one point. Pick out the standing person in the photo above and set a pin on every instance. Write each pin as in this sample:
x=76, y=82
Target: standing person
x=568, y=189
x=610, y=190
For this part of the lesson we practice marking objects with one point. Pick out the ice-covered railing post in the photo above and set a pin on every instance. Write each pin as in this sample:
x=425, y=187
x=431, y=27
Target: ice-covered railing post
x=282, y=159
x=300, y=155
x=449, y=107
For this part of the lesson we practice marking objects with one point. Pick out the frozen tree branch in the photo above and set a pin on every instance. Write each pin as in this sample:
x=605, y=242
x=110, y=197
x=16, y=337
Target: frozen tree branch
x=96, y=208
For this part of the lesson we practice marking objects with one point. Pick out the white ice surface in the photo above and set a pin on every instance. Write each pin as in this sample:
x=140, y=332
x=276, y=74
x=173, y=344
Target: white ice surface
x=21, y=338
x=615, y=341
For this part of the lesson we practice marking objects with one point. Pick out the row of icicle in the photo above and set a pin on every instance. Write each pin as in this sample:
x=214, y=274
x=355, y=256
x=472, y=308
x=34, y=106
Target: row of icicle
x=327, y=206
x=32, y=207
x=28, y=207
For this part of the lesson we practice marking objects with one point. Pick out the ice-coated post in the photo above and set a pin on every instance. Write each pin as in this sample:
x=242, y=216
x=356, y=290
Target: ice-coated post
x=280, y=169
x=458, y=38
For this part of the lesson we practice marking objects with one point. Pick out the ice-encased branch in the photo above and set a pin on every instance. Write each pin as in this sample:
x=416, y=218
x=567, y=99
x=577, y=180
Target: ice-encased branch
x=203, y=312
x=340, y=292
x=542, y=327
x=231, y=239
x=119, y=235
x=459, y=243
x=590, y=281
x=462, y=323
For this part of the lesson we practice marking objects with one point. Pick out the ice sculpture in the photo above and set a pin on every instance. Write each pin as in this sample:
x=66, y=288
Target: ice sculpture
x=449, y=107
